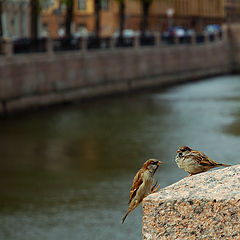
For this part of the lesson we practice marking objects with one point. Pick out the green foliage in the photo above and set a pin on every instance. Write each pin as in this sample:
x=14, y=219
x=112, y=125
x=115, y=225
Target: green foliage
x=120, y=1
x=146, y=1
x=67, y=2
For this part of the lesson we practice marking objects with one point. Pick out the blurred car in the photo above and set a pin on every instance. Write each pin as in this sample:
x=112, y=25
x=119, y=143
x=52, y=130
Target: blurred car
x=127, y=33
x=177, y=31
x=190, y=32
x=81, y=32
x=213, y=28
x=128, y=37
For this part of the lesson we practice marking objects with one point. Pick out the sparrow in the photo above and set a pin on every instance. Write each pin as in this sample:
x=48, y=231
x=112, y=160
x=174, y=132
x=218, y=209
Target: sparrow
x=193, y=161
x=142, y=185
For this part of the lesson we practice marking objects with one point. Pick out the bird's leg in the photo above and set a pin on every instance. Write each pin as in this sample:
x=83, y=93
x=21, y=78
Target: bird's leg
x=154, y=186
x=156, y=189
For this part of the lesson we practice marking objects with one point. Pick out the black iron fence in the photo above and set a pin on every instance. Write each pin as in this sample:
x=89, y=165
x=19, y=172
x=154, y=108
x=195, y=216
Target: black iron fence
x=65, y=44
x=98, y=43
x=124, y=42
x=147, y=40
x=28, y=45
x=198, y=38
x=1, y=47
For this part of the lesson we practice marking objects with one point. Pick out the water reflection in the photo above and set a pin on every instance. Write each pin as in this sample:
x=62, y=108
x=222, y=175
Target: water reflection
x=66, y=173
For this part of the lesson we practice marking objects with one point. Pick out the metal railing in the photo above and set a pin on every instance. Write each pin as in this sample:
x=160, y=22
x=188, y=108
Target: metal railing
x=27, y=45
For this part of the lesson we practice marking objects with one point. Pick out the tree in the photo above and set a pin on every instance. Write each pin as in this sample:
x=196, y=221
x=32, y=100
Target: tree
x=121, y=17
x=1, y=27
x=34, y=14
x=35, y=8
x=68, y=17
x=145, y=4
x=97, y=9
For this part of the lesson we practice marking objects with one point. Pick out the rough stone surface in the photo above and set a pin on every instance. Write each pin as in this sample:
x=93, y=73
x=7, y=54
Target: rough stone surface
x=204, y=206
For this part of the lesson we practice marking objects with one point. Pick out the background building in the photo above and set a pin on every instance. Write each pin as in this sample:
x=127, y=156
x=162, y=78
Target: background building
x=232, y=8
x=188, y=13
x=15, y=18
x=194, y=14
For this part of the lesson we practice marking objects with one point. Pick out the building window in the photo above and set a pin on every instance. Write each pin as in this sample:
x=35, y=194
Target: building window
x=104, y=4
x=47, y=4
x=82, y=4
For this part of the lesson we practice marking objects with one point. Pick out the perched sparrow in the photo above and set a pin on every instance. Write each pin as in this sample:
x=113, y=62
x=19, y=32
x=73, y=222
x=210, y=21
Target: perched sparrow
x=193, y=161
x=142, y=184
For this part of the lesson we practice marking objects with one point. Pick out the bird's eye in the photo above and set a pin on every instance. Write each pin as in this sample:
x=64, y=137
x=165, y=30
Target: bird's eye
x=183, y=150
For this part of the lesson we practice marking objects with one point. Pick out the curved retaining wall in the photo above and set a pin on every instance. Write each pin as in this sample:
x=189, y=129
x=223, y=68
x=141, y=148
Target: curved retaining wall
x=43, y=79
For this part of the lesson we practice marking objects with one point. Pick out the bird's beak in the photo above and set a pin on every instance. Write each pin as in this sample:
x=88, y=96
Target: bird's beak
x=159, y=163
x=178, y=151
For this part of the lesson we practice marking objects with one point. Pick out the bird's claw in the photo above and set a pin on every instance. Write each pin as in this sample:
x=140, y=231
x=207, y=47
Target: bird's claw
x=191, y=174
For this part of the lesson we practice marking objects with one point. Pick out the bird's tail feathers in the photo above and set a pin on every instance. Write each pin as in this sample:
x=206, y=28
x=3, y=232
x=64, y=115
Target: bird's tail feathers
x=223, y=165
x=123, y=219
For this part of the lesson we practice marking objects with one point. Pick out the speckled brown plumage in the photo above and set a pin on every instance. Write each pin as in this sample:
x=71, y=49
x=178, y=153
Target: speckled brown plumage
x=193, y=161
x=142, y=185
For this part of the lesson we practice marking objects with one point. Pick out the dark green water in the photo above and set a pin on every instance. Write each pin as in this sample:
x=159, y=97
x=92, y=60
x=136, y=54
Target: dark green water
x=66, y=173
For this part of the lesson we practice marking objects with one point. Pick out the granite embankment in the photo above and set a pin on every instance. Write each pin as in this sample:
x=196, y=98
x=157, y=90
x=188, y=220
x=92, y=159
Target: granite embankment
x=32, y=80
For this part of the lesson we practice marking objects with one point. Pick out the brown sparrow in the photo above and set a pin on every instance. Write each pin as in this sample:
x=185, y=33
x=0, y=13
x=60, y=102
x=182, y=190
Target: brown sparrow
x=193, y=161
x=142, y=184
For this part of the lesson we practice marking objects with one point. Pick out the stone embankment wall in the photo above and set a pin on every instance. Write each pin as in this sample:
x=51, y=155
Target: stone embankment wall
x=204, y=206
x=234, y=46
x=32, y=80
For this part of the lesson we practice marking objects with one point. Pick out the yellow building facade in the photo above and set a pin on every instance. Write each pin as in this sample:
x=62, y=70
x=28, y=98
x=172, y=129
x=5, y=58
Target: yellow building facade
x=188, y=13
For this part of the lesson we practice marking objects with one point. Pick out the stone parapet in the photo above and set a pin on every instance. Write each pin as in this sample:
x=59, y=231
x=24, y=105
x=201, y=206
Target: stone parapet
x=204, y=206
x=24, y=79
x=34, y=80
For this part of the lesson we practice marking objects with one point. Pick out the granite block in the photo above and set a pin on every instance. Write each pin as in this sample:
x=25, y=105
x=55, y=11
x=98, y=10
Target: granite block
x=204, y=206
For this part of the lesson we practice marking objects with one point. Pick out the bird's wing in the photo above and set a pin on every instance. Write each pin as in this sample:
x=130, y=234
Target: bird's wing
x=137, y=181
x=202, y=159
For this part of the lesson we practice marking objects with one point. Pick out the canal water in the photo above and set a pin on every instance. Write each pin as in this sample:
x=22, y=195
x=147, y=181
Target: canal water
x=66, y=173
